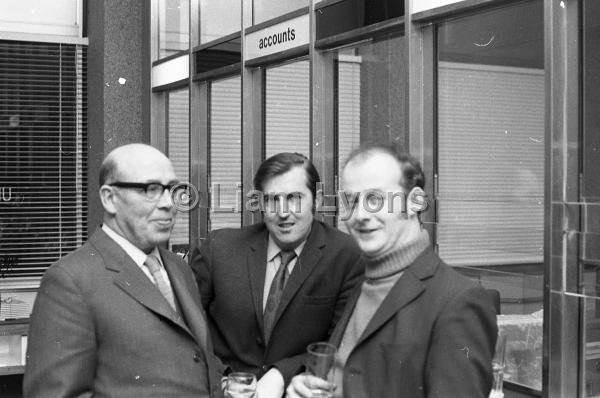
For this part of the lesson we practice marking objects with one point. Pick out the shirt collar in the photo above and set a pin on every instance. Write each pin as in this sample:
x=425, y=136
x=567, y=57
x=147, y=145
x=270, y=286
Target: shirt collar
x=273, y=250
x=138, y=256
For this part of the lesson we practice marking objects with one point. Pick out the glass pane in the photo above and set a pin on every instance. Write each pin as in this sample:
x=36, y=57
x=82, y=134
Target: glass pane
x=287, y=109
x=370, y=97
x=219, y=18
x=519, y=294
x=490, y=155
x=591, y=346
x=173, y=22
x=43, y=152
x=591, y=100
x=226, y=153
x=491, y=137
x=178, y=144
x=269, y=9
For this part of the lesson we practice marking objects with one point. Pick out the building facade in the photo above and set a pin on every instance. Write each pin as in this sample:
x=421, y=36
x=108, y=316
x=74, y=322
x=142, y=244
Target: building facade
x=496, y=98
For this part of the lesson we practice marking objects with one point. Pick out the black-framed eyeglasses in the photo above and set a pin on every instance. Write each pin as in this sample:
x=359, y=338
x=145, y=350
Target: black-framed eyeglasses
x=153, y=190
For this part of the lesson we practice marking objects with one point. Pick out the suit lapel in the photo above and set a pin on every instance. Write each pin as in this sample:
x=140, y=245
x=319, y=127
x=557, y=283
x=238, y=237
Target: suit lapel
x=256, y=265
x=407, y=288
x=309, y=258
x=340, y=328
x=189, y=307
x=132, y=280
x=192, y=312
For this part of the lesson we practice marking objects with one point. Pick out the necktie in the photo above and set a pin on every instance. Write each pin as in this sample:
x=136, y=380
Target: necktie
x=154, y=266
x=276, y=291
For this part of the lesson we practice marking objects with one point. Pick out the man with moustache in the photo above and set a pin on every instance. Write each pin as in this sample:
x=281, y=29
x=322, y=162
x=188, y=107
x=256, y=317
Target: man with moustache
x=415, y=327
x=121, y=316
x=272, y=288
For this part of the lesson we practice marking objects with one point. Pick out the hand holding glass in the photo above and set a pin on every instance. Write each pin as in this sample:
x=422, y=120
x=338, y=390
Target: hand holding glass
x=319, y=362
x=240, y=385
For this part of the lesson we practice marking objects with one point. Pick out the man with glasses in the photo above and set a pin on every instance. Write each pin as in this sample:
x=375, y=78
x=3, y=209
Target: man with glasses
x=272, y=288
x=121, y=316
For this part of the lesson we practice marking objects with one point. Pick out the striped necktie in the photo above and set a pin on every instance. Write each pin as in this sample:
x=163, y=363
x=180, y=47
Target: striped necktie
x=276, y=291
x=161, y=283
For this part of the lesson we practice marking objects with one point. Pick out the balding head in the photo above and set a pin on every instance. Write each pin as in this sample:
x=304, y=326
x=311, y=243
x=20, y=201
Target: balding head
x=125, y=175
x=118, y=159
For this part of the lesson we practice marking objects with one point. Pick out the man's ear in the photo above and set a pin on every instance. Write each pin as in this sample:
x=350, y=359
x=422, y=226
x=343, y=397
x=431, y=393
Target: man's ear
x=318, y=202
x=416, y=201
x=107, y=197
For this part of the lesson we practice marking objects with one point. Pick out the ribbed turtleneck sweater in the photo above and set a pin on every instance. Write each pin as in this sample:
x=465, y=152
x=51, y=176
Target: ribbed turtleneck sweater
x=381, y=274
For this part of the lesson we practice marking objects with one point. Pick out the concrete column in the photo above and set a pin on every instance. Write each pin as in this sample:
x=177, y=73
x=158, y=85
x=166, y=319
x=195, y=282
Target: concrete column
x=119, y=86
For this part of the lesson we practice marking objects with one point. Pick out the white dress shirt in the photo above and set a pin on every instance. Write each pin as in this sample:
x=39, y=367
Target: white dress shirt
x=273, y=263
x=138, y=256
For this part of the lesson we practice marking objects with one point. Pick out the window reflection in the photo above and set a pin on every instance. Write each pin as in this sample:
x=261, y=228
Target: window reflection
x=589, y=210
x=264, y=10
x=219, y=18
x=370, y=97
x=490, y=162
x=173, y=22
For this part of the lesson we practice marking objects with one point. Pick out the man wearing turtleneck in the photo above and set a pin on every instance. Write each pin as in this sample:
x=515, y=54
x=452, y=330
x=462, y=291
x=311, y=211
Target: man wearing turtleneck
x=415, y=327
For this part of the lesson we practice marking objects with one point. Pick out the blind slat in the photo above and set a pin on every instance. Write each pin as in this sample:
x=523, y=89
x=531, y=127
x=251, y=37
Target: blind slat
x=43, y=154
x=491, y=164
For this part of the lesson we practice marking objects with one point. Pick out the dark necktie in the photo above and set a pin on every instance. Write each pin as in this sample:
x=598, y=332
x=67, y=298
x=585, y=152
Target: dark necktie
x=276, y=291
x=154, y=266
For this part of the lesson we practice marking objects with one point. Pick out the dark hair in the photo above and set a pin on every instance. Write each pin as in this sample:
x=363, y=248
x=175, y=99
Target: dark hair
x=282, y=163
x=412, y=173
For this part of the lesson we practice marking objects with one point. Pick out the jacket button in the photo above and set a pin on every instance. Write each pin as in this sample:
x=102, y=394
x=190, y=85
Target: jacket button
x=259, y=341
x=196, y=357
x=265, y=368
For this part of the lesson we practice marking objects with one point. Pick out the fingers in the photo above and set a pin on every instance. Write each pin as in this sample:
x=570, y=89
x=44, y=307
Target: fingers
x=302, y=386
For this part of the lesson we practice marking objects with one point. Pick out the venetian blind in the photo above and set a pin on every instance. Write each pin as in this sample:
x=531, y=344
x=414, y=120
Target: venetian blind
x=491, y=164
x=43, y=174
x=178, y=138
x=287, y=109
x=226, y=153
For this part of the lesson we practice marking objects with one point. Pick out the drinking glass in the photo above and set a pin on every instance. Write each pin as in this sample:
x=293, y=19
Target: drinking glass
x=498, y=367
x=240, y=385
x=319, y=362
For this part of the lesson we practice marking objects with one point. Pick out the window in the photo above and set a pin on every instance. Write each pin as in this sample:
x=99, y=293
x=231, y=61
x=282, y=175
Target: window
x=490, y=167
x=219, y=18
x=371, y=86
x=178, y=148
x=43, y=207
x=173, y=22
x=269, y=9
x=225, y=153
x=287, y=109
x=588, y=232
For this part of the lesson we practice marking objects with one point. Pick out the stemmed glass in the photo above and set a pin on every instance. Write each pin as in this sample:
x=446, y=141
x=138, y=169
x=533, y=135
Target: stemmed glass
x=240, y=385
x=498, y=367
x=319, y=362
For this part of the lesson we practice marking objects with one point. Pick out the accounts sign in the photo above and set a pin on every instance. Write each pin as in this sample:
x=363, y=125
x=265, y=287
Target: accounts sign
x=275, y=38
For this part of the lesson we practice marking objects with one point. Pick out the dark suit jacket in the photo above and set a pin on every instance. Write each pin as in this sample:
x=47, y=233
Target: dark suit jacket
x=433, y=336
x=230, y=269
x=101, y=328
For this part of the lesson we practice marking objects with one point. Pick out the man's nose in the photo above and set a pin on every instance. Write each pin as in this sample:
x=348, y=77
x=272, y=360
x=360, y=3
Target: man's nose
x=282, y=208
x=362, y=211
x=165, y=200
